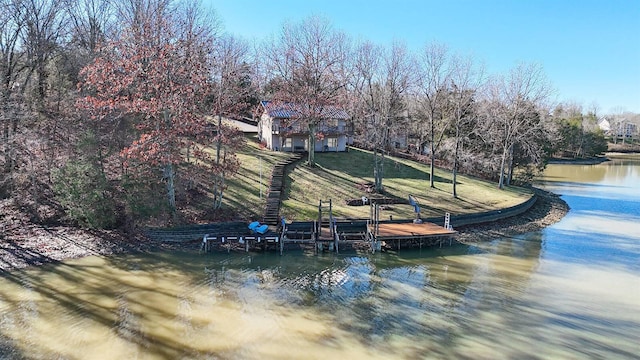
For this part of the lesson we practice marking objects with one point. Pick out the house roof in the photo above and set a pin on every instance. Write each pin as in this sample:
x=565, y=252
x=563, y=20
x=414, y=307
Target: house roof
x=291, y=110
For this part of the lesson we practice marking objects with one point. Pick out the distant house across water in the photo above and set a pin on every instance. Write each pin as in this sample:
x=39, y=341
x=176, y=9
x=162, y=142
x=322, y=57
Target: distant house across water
x=605, y=125
x=620, y=128
x=282, y=127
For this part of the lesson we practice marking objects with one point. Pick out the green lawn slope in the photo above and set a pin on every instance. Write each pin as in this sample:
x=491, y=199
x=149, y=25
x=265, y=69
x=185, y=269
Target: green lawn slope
x=338, y=176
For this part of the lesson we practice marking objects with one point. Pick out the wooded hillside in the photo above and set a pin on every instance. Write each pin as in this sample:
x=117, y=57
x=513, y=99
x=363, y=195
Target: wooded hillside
x=111, y=110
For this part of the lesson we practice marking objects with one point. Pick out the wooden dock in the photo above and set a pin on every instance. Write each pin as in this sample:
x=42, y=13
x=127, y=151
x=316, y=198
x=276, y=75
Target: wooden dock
x=410, y=231
x=334, y=236
x=238, y=241
x=330, y=234
x=410, y=234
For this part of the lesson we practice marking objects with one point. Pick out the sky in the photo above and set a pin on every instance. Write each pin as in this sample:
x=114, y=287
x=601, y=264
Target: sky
x=589, y=49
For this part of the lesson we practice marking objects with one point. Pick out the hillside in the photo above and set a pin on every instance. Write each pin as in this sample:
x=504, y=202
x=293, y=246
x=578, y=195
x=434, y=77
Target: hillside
x=344, y=176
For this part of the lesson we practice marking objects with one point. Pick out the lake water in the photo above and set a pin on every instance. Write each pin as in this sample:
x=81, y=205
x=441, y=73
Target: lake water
x=571, y=291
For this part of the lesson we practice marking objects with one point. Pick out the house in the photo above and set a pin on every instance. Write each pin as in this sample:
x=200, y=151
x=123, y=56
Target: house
x=605, y=125
x=391, y=134
x=621, y=127
x=626, y=129
x=282, y=127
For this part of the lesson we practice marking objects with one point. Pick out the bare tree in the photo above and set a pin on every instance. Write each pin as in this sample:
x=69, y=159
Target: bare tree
x=231, y=85
x=466, y=79
x=513, y=114
x=92, y=22
x=12, y=66
x=381, y=80
x=434, y=77
x=197, y=26
x=136, y=13
x=308, y=62
x=45, y=25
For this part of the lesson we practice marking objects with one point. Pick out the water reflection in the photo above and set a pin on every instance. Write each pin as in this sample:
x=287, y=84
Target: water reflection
x=570, y=291
x=161, y=306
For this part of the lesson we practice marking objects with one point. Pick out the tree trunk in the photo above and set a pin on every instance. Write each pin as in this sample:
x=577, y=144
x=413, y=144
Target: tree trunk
x=454, y=177
x=6, y=180
x=218, y=189
x=312, y=145
x=218, y=182
x=580, y=151
x=170, y=177
x=5, y=142
x=454, y=171
x=510, y=170
x=219, y=144
x=432, y=146
x=8, y=145
x=432, y=166
x=503, y=162
x=42, y=86
x=6, y=128
x=378, y=170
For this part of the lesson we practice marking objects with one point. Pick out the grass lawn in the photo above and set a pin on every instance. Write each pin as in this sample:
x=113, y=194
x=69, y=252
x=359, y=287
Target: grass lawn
x=337, y=176
x=243, y=191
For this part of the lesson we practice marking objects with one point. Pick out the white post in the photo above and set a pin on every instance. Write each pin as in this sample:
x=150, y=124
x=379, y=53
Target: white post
x=260, y=177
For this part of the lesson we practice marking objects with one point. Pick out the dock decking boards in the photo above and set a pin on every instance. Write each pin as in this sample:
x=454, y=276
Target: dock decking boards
x=410, y=231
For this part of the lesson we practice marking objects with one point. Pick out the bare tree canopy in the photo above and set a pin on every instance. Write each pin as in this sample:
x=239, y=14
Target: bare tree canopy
x=467, y=79
x=513, y=110
x=381, y=79
x=93, y=21
x=434, y=69
x=307, y=61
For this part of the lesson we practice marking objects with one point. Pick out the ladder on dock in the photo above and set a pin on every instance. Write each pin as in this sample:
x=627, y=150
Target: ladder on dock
x=373, y=227
x=326, y=220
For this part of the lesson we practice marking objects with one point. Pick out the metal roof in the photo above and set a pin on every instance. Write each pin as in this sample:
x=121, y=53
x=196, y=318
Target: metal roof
x=291, y=110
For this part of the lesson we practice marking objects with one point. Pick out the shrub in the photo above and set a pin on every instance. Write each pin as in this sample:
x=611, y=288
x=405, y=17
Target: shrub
x=141, y=198
x=83, y=191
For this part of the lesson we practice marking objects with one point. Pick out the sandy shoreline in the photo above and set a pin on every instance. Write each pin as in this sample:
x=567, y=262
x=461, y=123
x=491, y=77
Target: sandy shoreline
x=23, y=244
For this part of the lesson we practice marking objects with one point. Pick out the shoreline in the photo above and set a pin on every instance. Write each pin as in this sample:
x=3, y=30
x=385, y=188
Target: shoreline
x=587, y=161
x=32, y=245
x=595, y=160
x=547, y=210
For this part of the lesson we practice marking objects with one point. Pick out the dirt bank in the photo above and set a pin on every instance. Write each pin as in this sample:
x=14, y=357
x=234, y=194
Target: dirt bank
x=24, y=244
x=585, y=161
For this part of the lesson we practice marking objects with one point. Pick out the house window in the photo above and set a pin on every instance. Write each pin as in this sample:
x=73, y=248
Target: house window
x=332, y=143
x=287, y=144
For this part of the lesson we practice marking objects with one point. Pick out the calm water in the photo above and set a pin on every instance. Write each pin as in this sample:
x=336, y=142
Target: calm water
x=571, y=291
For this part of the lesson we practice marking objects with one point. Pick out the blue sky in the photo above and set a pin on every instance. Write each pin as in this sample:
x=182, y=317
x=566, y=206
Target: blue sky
x=590, y=49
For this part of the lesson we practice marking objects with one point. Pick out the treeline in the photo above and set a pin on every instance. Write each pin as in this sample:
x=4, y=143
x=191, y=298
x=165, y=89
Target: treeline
x=111, y=109
x=434, y=101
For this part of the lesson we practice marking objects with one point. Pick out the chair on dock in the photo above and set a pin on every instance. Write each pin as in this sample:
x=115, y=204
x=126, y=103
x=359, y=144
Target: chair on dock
x=258, y=228
x=262, y=229
x=254, y=225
